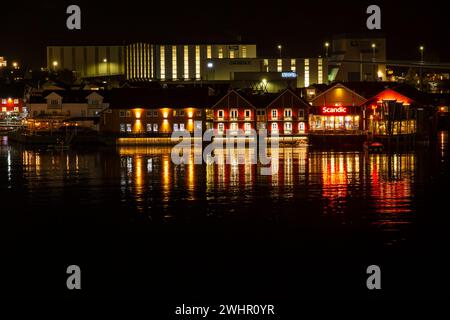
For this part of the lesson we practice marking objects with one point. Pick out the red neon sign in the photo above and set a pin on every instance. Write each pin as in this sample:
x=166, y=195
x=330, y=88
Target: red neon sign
x=334, y=110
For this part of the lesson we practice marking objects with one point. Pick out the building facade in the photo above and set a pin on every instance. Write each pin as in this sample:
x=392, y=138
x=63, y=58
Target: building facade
x=12, y=100
x=299, y=72
x=155, y=112
x=358, y=58
x=87, y=61
x=187, y=62
x=337, y=110
x=66, y=104
x=284, y=114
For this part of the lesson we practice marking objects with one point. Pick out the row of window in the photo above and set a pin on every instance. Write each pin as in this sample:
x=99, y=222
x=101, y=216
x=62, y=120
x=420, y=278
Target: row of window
x=234, y=113
x=6, y=101
x=153, y=127
x=5, y=109
x=274, y=112
x=274, y=126
x=154, y=113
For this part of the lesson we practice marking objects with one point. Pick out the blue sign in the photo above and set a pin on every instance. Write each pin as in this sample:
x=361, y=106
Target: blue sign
x=288, y=75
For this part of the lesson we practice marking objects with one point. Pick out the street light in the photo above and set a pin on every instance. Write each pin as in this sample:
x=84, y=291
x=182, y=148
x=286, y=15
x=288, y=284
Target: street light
x=374, y=47
x=327, y=45
x=15, y=65
x=105, y=60
x=421, y=48
x=279, y=49
x=55, y=64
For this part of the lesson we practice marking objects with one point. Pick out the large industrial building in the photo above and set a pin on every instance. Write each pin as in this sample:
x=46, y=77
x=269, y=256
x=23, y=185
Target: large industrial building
x=353, y=58
x=358, y=57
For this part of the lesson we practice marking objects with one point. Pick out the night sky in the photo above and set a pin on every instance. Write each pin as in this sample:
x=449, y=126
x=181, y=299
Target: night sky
x=301, y=26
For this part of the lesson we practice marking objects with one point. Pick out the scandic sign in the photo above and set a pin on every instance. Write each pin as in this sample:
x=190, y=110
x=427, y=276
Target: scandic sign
x=334, y=110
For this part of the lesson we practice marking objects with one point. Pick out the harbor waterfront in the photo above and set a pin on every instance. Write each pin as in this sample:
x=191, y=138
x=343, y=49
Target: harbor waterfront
x=224, y=160
x=113, y=205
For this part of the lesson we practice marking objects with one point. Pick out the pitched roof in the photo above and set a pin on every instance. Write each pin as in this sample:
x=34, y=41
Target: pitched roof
x=336, y=86
x=292, y=94
x=68, y=96
x=158, y=98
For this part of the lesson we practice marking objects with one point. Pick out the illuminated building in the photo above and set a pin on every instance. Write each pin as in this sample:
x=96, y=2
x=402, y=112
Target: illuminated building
x=155, y=112
x=337, y=110
x=358, y=57
x=287, y=114
x=143, y=61
x=3, y=62
x=11, y=99
x=179, y=62
x=54, y=108
x=299, y=72
x=88, y=61
x=391, y=113
x=284, y=113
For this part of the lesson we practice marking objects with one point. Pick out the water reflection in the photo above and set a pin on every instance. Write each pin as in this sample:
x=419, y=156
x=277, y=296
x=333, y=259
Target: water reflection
x=378, y=189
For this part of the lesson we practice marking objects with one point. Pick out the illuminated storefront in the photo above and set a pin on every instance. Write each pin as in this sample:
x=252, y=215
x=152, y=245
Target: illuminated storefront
x=335, y=119
x=391, y=113
x=337, y=110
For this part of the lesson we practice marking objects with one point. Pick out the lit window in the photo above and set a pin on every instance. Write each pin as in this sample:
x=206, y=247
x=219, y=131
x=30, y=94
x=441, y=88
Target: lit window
x=301, y=127
x=197, y=62
x=122, y=127
x=274, y=114
x=128, y=114
x=3, y=109
x=244, y=51
x=220, y=53
x=233, y=114
x=155, y=127
x=279, y=65
x=306, y=72
x=16, y=101
x=149, y=127
x=287, y=113
x=247, y=114
x=220, y=114
x=247, y=127
x=288, y=127
x=208, y=52
x=266, y=65
x=162, y=62
x=220, y=127
x=182, y=128
x=293, y=65
x=231, y=54
x=175, y=127
x=16, y=109
x=274, y=126
x=234, y=127
x=198, y=113
x=129, y=127
x=320, y=71
x=3, y=101
x=174, y=62
x=186, y=62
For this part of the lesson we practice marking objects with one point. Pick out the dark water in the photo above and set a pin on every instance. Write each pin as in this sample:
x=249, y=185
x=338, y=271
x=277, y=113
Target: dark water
x=140, y=226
